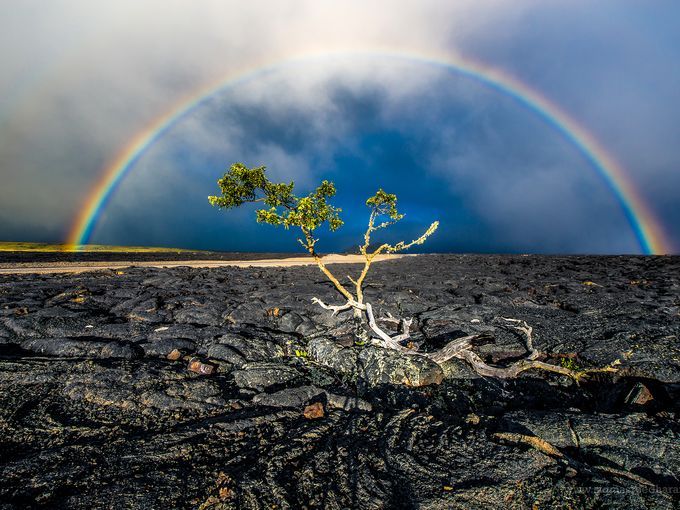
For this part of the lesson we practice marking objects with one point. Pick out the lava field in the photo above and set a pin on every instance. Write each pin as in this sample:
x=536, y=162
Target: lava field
x=228, y=388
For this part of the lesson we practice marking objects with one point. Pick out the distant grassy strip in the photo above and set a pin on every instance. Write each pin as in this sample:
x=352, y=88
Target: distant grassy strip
x=46, y=247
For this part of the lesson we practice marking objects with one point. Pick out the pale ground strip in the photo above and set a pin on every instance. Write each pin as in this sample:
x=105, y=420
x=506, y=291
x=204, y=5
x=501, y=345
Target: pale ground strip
x=79, y=267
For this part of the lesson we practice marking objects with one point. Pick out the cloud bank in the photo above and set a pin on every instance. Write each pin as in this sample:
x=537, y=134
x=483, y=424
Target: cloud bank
x=82, y=78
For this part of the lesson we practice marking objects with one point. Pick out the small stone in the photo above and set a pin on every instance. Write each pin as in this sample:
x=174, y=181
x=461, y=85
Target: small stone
x=639, y=395
x=314, y=411
x=196, y=365
x=472, y=419
x=174, y=355
x=224, y=483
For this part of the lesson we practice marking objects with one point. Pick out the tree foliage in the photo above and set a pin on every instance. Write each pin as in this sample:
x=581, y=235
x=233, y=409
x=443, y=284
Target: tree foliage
x=284, y=208
x=242, y=184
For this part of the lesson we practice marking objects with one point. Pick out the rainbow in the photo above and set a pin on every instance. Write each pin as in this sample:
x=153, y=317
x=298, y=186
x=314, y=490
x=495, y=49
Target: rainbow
x=645, y=226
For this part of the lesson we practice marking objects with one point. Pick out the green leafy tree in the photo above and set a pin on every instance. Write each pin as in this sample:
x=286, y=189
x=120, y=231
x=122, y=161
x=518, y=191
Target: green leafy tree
x=281, y=207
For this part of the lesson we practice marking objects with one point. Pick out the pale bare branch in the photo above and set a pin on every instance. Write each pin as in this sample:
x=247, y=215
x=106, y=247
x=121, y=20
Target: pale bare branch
x=402, y=245
x=334, y=308
x=389, y=342
x=527, y=330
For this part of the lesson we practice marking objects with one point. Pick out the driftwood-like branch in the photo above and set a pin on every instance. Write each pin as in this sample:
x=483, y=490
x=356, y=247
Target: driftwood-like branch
x=513, y=370
x=452, y=350
x=523, y=327
x=334, y=308
x=537, y=443
x=460, y=348
x=391, y=343
x=405, y=328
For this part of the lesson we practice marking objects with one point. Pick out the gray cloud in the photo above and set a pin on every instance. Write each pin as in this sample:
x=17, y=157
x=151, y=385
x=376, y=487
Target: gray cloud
x=81, y=78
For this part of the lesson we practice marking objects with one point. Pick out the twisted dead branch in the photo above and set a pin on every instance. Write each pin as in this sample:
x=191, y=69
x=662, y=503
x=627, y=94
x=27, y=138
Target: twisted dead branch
x=460, y=348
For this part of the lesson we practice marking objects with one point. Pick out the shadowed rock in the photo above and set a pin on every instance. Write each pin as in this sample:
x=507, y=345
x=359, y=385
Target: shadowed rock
x=161, y=348
x=238, y=350
x=81, y=348
x=289, y=397
x=261, y=376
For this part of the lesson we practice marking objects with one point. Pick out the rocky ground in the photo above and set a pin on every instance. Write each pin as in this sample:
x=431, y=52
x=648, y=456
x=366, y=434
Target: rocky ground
x=227, y=388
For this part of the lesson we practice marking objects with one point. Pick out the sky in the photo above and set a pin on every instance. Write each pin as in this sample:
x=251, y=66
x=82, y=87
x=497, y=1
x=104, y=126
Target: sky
x=354, y=92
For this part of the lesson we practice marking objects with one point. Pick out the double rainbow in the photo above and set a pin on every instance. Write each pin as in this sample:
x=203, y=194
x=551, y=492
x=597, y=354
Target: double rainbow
x=645, y=226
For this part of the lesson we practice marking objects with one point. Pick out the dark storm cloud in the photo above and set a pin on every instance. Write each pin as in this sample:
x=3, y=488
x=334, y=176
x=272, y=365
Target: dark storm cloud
x=609, y=64
x=81, y=79
x=468, y=165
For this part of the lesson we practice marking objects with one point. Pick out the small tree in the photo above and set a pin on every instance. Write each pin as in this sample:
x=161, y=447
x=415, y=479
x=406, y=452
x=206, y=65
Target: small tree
x=283, y=208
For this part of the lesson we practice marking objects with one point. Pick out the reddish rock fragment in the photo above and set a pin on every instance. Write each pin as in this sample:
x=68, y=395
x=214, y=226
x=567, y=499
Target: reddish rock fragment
x=314, y=411
x=639, y=395
x=196, y=365
x=174, y=355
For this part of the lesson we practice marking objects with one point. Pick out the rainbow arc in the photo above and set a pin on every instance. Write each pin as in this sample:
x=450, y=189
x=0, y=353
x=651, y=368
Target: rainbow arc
x=647, y=229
